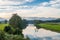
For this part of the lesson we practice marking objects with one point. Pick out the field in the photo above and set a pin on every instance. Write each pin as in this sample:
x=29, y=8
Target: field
x=50, y=26
x=2, y=26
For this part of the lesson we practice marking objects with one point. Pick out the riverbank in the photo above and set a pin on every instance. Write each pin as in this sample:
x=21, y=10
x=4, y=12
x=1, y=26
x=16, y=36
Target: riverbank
x=49, y=26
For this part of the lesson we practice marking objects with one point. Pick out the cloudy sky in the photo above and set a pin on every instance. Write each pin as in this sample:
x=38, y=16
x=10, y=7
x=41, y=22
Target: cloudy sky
x=30, y=8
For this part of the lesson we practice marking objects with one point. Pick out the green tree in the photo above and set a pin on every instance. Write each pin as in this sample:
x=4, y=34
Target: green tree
x=24, y=22
x=15, y=21
x=6, y=21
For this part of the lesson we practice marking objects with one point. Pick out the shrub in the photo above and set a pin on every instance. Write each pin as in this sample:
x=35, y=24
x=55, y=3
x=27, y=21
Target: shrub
x=8, y=29
x=2, y=35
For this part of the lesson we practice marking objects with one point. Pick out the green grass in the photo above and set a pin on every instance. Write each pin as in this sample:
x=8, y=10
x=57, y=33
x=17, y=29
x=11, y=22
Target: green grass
x=50, y=26
x=2, y=26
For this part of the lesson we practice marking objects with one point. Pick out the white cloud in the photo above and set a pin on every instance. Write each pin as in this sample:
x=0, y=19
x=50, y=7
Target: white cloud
x=13, y=8
x=13, y=2
x=8, y=3
x=52, y=3
x=36, y=11
x=55, y=3
x=40, y=12
x=29, y=0
x=21, y=0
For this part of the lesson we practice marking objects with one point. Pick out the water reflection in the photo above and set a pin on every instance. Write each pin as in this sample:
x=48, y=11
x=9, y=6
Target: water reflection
x=48, y=38
x=41, y=34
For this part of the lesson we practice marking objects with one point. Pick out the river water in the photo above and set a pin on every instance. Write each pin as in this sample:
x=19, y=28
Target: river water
x=40, y=34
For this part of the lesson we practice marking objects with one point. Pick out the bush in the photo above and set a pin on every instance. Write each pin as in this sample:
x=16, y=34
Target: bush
x=5, y=36
x=8, y=29
x=2, y=35
x=13, y=31
x=18, y=32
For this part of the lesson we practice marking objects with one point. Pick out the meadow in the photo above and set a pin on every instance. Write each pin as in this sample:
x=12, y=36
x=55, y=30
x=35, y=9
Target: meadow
x=2, y=26
x=50, y=26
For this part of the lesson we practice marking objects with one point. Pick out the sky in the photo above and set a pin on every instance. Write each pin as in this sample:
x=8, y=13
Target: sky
x=30, y=8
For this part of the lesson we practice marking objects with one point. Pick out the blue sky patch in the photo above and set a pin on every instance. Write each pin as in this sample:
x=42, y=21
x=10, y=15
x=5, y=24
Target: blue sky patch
x=36, y=2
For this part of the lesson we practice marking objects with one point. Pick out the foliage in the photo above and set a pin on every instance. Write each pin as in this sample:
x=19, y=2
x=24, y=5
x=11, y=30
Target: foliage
x=15, y=21
x=2, y=35
x=6, y=21
x=5, y=36
x=8, y=29
x=18, y=32
x=24, y=24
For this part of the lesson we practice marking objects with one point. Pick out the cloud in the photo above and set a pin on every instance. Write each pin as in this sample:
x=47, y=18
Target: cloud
x=21, y=0
x=44, y=9
x=40, y=12
x=13, y=8
x=8, y=3
x=13, y=2
x=52, y=3
x=13, y=5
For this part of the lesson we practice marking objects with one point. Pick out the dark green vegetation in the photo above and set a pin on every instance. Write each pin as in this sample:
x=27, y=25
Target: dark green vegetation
x=53, y=25
x=5, y=36
x=17, y=24
x=13, y=30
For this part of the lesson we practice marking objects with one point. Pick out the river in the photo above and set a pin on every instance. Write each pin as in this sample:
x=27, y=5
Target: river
x=40, y=34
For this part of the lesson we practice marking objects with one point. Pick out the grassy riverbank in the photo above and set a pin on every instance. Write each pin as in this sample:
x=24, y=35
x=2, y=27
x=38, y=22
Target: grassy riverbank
x=50, y=26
